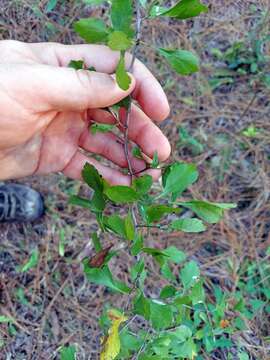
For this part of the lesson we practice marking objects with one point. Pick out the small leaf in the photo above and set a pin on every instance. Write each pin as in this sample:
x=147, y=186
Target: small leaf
x=161, y=315
x=79, y=201
x=121, y=16
x=129, y=228
x=190, y=274
x=182, y=61
x=122, y=77
x=103, y=128
x=68, y=353
x=104, y=277
x=142, y=306
x=111, y=347
x=210, y=212
x=156, y=212
x=184, y=9
x=142, y=184
x=76, y=64
x=51, y=5
x=32, y=262
x=175, y=255
x=137, y=245
x=91, y=30
x=178, y=177
x=167, y=292
x=6, y=319
x=119, y=41
x=121, y=194
x=116, y=224
x=137, y=153
x=92, y=178
x=155, y=161
x=188, y=225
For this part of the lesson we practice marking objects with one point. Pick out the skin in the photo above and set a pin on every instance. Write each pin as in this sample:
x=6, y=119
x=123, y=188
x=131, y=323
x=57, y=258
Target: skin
x=46, y=109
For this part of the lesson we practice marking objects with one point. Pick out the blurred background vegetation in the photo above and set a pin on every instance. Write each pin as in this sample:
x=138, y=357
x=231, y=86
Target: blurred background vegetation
x=220, y=121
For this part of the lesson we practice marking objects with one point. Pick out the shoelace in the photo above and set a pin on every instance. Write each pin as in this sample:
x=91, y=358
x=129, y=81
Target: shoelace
x=9, y=203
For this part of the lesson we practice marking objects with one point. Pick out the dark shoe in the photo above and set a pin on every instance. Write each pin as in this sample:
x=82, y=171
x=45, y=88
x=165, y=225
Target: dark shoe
x=19, y=203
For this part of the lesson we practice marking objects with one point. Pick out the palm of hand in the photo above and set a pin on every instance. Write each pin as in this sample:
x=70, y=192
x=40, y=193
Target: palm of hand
x=45, y=111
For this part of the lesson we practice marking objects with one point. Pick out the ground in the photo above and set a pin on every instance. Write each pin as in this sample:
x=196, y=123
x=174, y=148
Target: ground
x=53, y=304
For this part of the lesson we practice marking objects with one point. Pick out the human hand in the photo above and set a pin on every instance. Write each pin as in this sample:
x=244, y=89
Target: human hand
x=46, y=109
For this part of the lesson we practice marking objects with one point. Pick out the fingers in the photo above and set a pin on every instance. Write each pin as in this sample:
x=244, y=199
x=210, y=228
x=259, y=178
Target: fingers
x=74, y=169
x=142, y=131
x=62, y=89
x=111, y=147
x=148, y=91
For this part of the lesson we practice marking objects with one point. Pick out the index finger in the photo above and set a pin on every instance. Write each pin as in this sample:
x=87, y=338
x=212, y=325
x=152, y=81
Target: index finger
x=148, y=92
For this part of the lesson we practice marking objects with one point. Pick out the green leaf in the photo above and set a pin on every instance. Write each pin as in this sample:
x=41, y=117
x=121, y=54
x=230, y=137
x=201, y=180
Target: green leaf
x=167, y=292
x=137, y=245
x=184, y=9
x=182, y=333
x=182, y=61
x=6, y=319
x=142, y=184
x=142, y=306
x=121, y=16
x=79, y=201
x=189, y=274
x=103, y=128
x=174, y=255
x=51, y=5
x=68, y=353
x=197, y=293
x=104, y=277
x=119, y=41
x=188, y=225
x=122, y=77
x=91, y=30
x=32, y=262
x=137, y=153
x=121, y=194
x=129, y=228
x=137, y=269
x=76, y=64
x=92, y=178
x=156, y=212
x=210, y=212
x=123, y=227
x=155, y=161
x=178, y=177
x=161, y=315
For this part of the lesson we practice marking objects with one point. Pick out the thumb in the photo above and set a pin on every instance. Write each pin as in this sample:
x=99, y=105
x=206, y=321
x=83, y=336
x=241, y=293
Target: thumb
x=65, y=89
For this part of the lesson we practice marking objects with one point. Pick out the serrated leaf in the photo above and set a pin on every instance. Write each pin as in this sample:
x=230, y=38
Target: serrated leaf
x=92, y=30
x=121, y=16
x=122, y=77
x=184, y=9
x=68, y=353
x=118, y=41
x=104, y=277
x=156, y=212
x=210, y=212
x=121, y=194
x=178, y=177
x=111, y=347
x=32, y=262
x=190, y=274
x=182, y=61
x=188, y=225
x=103, y=128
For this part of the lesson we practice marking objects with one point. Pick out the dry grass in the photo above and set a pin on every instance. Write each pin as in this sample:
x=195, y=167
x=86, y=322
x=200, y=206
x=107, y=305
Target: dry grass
x=64, y=307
